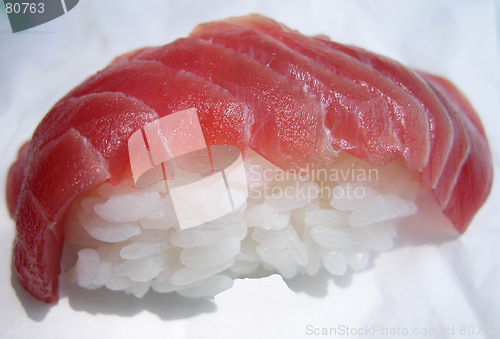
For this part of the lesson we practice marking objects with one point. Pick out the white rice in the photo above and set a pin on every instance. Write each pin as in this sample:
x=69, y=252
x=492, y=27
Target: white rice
x=128, y=239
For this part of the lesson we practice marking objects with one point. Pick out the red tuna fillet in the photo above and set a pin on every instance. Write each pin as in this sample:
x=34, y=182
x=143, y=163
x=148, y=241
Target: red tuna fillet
x=380, y=73
x=255, y=83
x=451, y=120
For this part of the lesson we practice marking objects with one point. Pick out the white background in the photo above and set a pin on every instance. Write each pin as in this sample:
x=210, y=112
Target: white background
x=427, y=284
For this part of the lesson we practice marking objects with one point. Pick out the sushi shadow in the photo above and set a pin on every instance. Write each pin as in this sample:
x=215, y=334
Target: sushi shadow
x=317, y=286
x=167, y=306
x=35, y=309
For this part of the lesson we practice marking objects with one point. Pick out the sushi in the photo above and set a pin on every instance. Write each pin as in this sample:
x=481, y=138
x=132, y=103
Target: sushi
x=333, y=149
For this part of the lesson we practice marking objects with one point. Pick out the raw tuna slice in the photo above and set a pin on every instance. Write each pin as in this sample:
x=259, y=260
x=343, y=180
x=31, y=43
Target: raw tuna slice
x=343, y=86
x=449, y=124
x=67, y=156
x=331, y=57
x=276, y=104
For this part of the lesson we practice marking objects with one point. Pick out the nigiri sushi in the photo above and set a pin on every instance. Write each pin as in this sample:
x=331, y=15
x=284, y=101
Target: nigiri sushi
x=321, y=151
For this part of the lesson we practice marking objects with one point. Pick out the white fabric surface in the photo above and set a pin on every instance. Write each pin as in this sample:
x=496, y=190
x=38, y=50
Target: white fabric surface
x=424, y=285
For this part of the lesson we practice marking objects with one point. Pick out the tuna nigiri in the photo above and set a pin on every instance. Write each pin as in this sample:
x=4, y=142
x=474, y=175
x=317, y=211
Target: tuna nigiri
x=337, y=144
